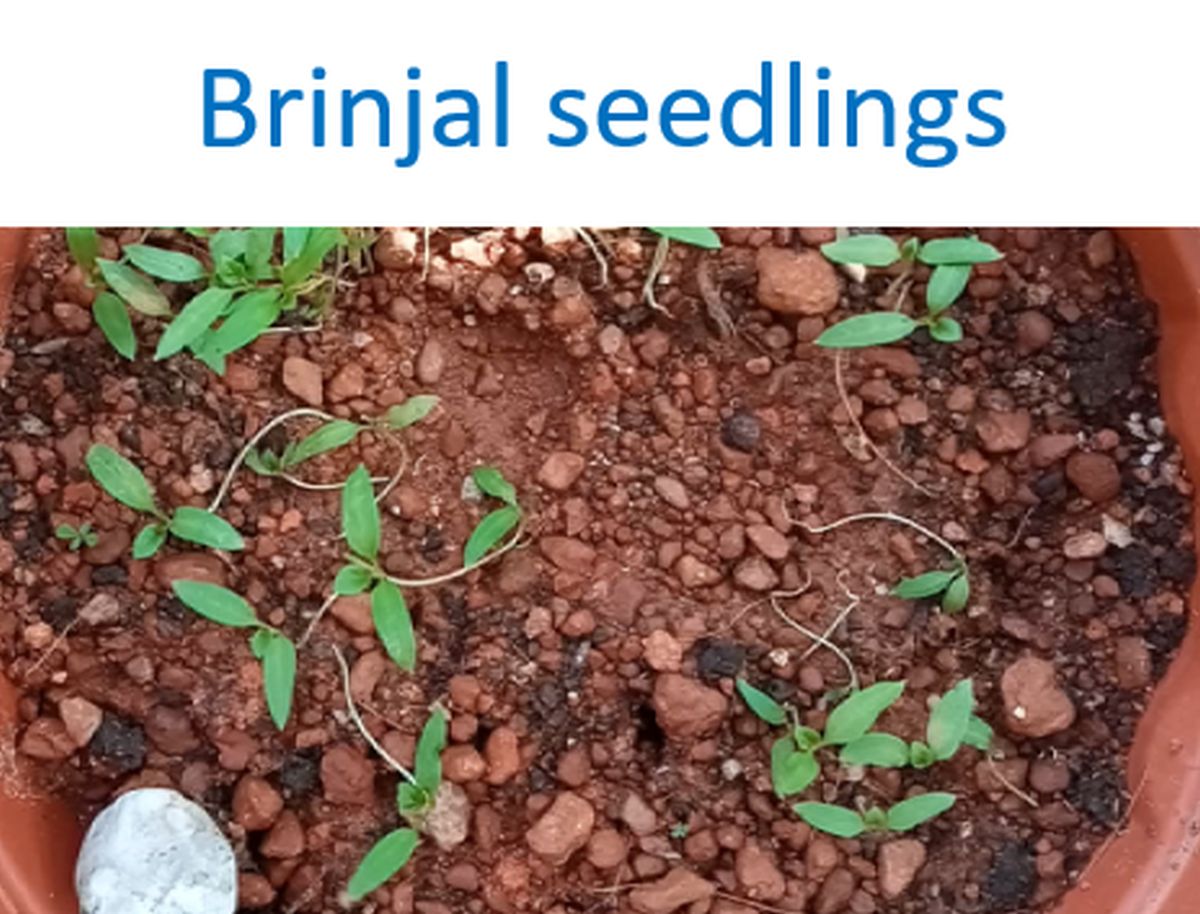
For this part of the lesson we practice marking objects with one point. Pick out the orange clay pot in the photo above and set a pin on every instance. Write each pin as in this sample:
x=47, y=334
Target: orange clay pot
x=1152, y=868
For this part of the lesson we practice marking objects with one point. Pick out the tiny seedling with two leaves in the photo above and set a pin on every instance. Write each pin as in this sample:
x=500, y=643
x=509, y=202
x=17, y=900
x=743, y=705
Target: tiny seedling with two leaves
x=125, y=482
x=274, y=650
x=247, y=282
x=338, y=433
x=415, y=797
x=497, y=524
x=76, y=538
x=849, y=823
x=951, y=586
x=951, y=259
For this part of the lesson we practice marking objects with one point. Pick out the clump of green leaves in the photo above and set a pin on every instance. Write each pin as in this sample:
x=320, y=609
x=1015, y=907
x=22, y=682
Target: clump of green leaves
x=951, y=259
x=952, y=586
x=496, y=525
x=414, y=799
x=952, y=724
x=697, y=237
x=361, y=573
x=274, y=650
x=125, y=482
x=338, y=433
x=76, y=538
x=794, y=763
x=849, y=823
x=244, y=282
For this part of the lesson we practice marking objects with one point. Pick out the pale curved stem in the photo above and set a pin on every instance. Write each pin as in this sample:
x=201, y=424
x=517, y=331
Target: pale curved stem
x=358, y=721
x=819, y=639
x=886, y=516
x=299, y=412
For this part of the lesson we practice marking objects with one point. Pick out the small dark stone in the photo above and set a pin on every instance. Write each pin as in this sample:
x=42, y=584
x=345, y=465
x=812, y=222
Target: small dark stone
x=779, y=689
x=1012, y=878
x=716, y=659
x=742, y=431
x=60, y=613
x=1049, y=484
x=299, y=773
x=1096, y=790
x=1136, y=572
x=120, y=744
x=1178, y=565
x=173, y=618
x=1164, y=636
x=109, y=574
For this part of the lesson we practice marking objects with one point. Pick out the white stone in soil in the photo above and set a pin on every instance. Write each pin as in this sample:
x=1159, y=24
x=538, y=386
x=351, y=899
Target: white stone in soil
x=155, y=852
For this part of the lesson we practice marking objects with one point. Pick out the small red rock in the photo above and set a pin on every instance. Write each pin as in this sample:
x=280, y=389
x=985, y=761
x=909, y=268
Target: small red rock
x=758, y=874
x=606, y=849
x=256, y=804
x=285, y=840
x=568, y=553
x=1096, y=476
x=47, y=739
x=677, y=889
x=503, y=754
x=687, y=709
x=347, y=776
x=1134, y=664
x=693, y=573
x=898, y=865
x=302, y=379
x=769, y=541
x=562, y=829
x=1034, y=704
x=81, y=718
x=1034, y=332
x=1003, y=432
x=560, y=470
x=1046, y=450
x=796, y=282
x=662, y=652
x=463, y=764
x=254, y=891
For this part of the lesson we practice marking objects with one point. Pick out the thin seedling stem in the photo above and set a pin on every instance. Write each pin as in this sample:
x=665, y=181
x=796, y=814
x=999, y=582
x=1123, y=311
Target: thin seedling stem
x=601, y=260
x=358, y=721
x=303, y=411
x=893, y=518
x=818, y=638
x=656, y=265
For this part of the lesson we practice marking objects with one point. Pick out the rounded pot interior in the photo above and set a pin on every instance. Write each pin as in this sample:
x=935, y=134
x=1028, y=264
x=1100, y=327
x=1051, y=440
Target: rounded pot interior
x=1151, y=867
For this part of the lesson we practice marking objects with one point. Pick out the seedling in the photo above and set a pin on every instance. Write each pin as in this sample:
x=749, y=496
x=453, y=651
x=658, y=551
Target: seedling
x=951, y=259
x=415, y=797
x=245, y=286
x=704, y=238
x=848, y=823
x=274, y=650
x=125, y=482
x=77, y=538
x=337, y=433
x=496, y=525
x=361, y=573
x=794, y=764
x=953, y=586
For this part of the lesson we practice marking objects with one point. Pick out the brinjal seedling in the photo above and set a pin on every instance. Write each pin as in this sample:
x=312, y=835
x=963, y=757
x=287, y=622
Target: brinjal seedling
x=849, y=823
x=361, y=573
x=274, y=650
x=415, y=797
x=77, y=538
x=337, y=433
x=952, y=585
x=242, y=286
x=125, y=482
x=794, y=764
x=952, y=723
x=497, y=524
x=704, y=238
x=951, y=259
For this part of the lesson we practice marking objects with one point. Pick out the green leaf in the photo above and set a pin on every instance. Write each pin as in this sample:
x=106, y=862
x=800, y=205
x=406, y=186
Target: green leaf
x=293, y=241
x=879, y=749
x=762, y=704
x=489, y=532
x=393, y=624
x=920, y=755
x=383, y=861
x=867, y=250
x=65, y=532
x=874, y=329
x=792, y=771
x=807, y=739
x=492, y=482
x=945, y=286
x=216, y=603
x=249, y=316
x=110, y=316
x=411, y=800
x=979, y=734
x=875, y=819
x=910, y=249
x=696, y=237
x=948, y=721
x=352, y=580
x=195, y=318
x=203, y=351
x=169, y=265
x=924, y=585
x=226, y=246
x=360, y=514
x=260, y=245
x=149, y=540
x=957, y=594
x=84, y=245
x=120, y=478
x=957, y=251
x=199, y=526
x=329, y=437
x=264, y=463
x=908, y=814
x=857, y=713
x=318, y=243
x=134, y=288
x=946, y=330
x=411, y=411
x=427, y=762
x=833, y=820
x=279, y=677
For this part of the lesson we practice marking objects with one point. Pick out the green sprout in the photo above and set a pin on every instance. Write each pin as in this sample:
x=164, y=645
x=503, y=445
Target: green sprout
x=125, y=482
x=247, y=280
x=77, y=538
x=274, y=650
x=848, y=823
x=952, y=585
x=415, y=797
x=794, y=764
x=952, y=724
x=497, y=524
x=951, y=259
